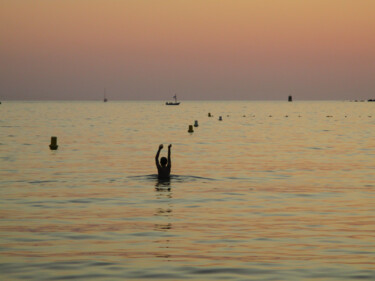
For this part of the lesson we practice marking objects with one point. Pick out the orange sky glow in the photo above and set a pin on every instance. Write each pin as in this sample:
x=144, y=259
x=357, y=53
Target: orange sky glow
x=213, y=49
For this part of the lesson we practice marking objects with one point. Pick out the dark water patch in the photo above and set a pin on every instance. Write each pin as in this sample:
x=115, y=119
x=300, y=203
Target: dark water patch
x=43, y=206
x=233, y=193
x=63, y=265
x=102, y=264
x=173, y=178
x=263, y=239
x=146, y=234
x=42, y=181
x=238, y=271
x=27, y=240
x=7, y=158
x=80, y=201
x=334, y=273
x=148, y=275
x=77, y=236
x=236, y=178
x=83, y=277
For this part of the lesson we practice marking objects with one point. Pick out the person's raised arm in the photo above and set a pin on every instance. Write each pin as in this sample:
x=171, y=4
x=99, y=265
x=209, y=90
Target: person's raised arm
x=157, y=156
x=169, y=155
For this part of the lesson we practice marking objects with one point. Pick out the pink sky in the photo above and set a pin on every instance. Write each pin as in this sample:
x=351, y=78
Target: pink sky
x=214, y=49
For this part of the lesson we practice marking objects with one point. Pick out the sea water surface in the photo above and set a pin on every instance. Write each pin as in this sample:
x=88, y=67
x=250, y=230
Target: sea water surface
x=275, y=191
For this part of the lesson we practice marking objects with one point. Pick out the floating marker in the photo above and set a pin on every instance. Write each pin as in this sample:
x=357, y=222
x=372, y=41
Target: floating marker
x=190, y=129
x=53, y=145
x=290, y=98
x=196, y=123
x=209, y=114
x=220, y=118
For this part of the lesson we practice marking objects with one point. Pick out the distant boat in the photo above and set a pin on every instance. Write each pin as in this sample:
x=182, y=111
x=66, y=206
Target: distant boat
x=173, y=103
x=105, y=97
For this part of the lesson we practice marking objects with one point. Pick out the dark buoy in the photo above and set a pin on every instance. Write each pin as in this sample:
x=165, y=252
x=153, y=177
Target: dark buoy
x=190, y=129
x=220, y=118
x=196, y=123
x=53, y=145
x=209, y=114
x=290, y=98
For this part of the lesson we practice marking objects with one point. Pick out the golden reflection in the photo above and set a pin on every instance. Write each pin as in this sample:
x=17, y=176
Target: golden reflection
x=164, y=212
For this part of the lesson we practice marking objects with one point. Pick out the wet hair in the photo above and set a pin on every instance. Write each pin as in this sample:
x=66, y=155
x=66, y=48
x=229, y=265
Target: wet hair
x=163, y=161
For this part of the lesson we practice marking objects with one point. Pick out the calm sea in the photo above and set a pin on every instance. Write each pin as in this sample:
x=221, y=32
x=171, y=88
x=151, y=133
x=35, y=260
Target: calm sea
x=275, y=191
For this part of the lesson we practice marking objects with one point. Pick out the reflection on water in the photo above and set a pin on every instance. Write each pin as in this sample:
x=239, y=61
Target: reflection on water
x=256, y=196
x=163, y=184
x=163, y=215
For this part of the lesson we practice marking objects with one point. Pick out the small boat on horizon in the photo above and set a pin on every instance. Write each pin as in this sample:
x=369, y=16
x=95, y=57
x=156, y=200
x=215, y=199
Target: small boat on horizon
x=173, y=103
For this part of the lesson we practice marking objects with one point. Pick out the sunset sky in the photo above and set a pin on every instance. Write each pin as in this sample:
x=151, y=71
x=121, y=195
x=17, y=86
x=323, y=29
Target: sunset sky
x=201, y=50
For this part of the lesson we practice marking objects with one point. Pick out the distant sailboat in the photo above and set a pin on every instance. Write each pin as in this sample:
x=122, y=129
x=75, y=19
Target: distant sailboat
x=105, y=96
x=173, y=103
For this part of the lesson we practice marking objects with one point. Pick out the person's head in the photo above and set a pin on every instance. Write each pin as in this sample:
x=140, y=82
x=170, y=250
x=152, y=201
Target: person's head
x=163, y=161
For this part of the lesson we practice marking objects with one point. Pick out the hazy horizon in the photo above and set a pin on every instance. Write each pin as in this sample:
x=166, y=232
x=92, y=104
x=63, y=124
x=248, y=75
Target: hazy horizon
x=204, y=50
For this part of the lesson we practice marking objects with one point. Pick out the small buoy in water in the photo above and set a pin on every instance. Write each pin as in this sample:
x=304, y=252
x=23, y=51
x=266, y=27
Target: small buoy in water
x=286, y=116
x=243, y=115
x=53, y=145
x=196, y=123
x=209, y=114
x=269, y=115
x=220, y=118
x=191, y=129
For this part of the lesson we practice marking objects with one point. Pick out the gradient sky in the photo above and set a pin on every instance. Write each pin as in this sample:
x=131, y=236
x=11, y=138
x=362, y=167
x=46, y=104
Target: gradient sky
x=199, y=49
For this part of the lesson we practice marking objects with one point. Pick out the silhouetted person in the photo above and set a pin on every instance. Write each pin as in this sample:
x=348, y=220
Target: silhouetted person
x=164, y=167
